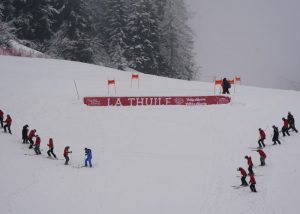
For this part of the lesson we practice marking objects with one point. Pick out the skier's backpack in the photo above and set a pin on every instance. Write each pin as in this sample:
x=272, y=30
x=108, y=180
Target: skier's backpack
x=229, y=85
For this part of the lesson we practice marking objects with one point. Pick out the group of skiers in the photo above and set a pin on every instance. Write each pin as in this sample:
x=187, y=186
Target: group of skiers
x=28, y=136
x=288, y=124
x=50, y=152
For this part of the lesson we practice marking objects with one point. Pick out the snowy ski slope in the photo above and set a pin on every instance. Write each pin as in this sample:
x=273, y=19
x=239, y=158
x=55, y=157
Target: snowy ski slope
x=147, y=160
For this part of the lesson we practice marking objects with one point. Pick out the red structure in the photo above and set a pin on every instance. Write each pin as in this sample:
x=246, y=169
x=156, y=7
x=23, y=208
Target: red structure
x=155, y=101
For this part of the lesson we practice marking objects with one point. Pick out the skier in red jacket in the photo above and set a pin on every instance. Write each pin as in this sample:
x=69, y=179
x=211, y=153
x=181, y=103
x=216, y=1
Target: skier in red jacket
x=30, y=138
x=8, y=122
x=244, y=175
x=66, y=154
x=1, y=118
x=250, y=164
x=252, y=183
x=51, y=148
x=263, y=157
x=262, y=135
x=37, y=145
x=285, y=127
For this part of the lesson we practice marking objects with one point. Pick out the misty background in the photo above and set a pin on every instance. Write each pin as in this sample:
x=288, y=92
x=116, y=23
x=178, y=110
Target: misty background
x=258, y=40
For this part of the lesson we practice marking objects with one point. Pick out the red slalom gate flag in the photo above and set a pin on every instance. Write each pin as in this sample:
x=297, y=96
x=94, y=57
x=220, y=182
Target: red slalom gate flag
x=111, y=82
x=134, y=76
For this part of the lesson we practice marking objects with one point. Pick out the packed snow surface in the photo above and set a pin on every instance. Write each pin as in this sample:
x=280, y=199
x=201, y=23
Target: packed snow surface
x=147, y=160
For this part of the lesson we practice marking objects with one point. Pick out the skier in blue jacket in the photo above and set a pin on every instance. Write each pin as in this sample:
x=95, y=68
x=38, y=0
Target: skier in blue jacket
x=88, y=153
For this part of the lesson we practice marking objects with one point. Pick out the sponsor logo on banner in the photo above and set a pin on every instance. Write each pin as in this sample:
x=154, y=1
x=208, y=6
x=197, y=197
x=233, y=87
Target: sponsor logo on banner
x=94, y=102
x=155, y=101
x=179, y=101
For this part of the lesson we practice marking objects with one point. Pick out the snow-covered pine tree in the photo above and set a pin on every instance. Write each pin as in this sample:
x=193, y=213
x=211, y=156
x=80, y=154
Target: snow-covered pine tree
x=7, y=10
x=177, y=41
x=100, y=54
x=74, y=33
x=33, y=20
x=114, y=29
x=6, y=28
x=143, y=37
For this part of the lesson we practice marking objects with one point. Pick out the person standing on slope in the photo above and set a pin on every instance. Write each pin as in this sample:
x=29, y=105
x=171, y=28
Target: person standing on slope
x=51, y=148
x=1, y=118
x=275, y=135
x=88, y=153
x=244, y=175
x=262, y=137
x=291, y=121
x=8, y=122
x=25, y=134
x=263, y=157
x=37, y=145
x=252, y=183
x=225, y=85
x=30, y=138
x=250, y=164
x=285, y=127
x=66, y=154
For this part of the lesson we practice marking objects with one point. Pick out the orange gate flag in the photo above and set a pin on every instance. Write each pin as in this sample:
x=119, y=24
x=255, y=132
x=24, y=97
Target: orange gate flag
x=218, y=82
x=238, y=79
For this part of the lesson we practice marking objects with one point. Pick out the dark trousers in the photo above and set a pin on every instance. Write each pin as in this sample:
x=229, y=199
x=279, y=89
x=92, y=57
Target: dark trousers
x=275, y=139
x=50, y=151
x=7, y=127
x=226, y=91
x=31, y=143
x=292, y=126
x=262, y=161
x=25, y=139
x=252, y=188
x=1, y=121
x=250, y=170
x=67, y=159
x=285, y=131
x=244, y=182
x=37, y=150
x=261, y=142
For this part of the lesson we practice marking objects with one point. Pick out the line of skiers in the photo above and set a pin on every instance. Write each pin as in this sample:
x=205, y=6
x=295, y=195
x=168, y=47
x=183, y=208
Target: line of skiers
x=36, y=145
x=28, y=139
x=288, y=124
